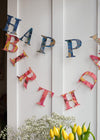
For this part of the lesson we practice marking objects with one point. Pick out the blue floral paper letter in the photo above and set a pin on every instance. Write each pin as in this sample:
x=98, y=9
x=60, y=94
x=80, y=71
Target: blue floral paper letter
x=14, y=25
x=70, y=48
x=27, y=36
x=43, y=44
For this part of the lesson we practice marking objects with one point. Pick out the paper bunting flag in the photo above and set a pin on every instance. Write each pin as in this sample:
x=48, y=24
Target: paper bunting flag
x=10, y=43
x=44, y=95
x=43, y=44
x=25, y=76
x=14, y=25
x=27, y=36
x=70, y=48
x=96, y=60
x=90, y=85
x=95, y=37
x=73, y=99
x=21, y=56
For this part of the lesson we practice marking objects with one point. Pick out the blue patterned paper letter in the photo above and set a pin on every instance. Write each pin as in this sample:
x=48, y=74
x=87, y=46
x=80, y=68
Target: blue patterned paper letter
x=70, y=48
x=27, y=36
x=43, y=44
x=14, y=25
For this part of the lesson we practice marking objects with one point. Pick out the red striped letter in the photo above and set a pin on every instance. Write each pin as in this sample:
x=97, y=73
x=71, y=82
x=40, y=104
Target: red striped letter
x=74, y=100
x=27, y=79
x=44, y=95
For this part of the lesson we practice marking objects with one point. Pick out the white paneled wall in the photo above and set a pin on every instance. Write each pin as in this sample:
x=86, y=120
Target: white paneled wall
x=35, y=14
x=61, y=19
x=80, y=23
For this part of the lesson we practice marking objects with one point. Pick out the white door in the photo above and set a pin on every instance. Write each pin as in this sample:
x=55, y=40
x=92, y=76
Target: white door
x=63, y=20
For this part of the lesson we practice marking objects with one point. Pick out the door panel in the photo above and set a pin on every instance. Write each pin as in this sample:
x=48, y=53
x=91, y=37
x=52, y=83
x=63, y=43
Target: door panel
x=80, y=23
x=36, y=15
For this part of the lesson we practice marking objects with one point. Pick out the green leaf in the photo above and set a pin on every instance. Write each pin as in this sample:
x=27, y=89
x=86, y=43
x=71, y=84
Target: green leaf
x=88, y=127
x=87, y=134
x=83, y=126
x=92, y=135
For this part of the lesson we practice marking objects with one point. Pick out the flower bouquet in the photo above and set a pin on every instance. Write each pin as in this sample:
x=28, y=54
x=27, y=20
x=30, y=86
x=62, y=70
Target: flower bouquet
x=77, y=133
x=37, y=129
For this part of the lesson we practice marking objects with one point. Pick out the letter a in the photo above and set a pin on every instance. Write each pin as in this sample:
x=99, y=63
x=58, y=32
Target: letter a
x=96, y=60
x=27, y=35
x=70, y=48
x=14, y=25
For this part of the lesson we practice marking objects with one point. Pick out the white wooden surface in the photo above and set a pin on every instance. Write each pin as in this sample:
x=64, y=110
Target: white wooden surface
x=35, y=14
x=61, y=19
x=57, y=55
x=12, y=88
x=98, y=74
x=80, y=23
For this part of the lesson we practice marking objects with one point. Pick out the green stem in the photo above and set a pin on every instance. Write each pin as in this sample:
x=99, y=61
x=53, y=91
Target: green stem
x=74, y=136
x=79, y=138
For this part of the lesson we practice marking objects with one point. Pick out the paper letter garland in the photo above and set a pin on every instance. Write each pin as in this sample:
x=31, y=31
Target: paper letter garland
x=25, y=76
x=44, y=95
x=8, y=43
x=70, y=48
x=96, y=60
x=26, y=38
x=9, y=22
x=27, y=35
x=21, y=56
x=90, y=85
x=43, y=44
x=74, y=100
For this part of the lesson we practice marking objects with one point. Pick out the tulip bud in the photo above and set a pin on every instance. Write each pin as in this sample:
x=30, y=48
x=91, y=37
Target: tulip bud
x=51, y=133
x=64, y=134
x=63, y=131
x=58, y=129
x=60, y=126
x=56, y=132
x=84, y=129
x=71, y=136
x=79, y=131
x=74, y=128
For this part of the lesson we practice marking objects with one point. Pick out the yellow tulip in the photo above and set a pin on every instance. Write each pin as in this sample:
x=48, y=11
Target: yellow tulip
x=71, y=136
x=79, y=131
x=58, y=129
x=56, y=132
x=63, y=131
x=51, y=133
x=60, y=126
x=74, y=128
x=84, y=129
x=64, y=134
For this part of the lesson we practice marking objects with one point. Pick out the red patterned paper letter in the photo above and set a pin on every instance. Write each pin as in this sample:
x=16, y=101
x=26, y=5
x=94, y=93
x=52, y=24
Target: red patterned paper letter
x=25, y=76
x=44, y=95
x=21, y=56
x=73, y=99
x=90, y=85
x=8, y=43
x=96, y=60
